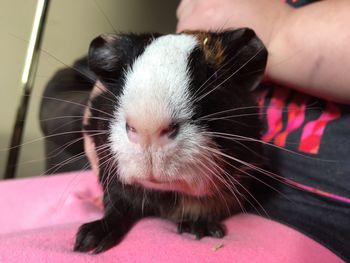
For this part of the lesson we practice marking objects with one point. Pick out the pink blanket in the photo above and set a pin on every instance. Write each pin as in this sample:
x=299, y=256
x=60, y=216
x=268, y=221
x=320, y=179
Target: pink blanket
x=41, y=215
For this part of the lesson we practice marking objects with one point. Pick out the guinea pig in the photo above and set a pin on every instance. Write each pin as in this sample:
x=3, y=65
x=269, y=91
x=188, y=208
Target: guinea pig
x=175, y=128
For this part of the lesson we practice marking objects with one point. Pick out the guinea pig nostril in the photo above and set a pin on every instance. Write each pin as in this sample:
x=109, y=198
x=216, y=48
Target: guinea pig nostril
x=173, y=130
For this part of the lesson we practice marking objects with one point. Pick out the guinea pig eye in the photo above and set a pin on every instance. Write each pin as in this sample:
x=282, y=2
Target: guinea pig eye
x=129, y=128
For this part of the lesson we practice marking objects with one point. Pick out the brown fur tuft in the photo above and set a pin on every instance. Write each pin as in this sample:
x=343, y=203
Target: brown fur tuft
x=212, y=47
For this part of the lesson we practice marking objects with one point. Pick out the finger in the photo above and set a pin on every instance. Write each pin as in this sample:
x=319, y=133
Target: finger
x=98, y=89
x=90, y=152
x=187, y=25
x=191, y=24
x=183, y=6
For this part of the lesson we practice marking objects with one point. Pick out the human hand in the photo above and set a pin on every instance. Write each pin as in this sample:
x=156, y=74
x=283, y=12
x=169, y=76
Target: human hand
x=263, y=16
x=305, y=52
x=89, y=144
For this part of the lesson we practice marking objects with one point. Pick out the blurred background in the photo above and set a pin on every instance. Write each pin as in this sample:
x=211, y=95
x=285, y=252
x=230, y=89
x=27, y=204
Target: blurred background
x=69, y=28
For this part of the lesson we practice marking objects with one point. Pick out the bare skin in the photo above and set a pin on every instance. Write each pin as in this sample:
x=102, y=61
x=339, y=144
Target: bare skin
x=89, y=145
x=308, y=46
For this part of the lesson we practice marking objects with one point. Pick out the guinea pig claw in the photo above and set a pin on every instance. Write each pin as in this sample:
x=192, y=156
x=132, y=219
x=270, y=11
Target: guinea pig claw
x=86, y=238
x=96, y=236
x=201, y=229
x=216, y=230
x=107, y=242
x=184, y=227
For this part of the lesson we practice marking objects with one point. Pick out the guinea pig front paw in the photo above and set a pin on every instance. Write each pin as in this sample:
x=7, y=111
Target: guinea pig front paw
x=96, y=236
x=201, y=228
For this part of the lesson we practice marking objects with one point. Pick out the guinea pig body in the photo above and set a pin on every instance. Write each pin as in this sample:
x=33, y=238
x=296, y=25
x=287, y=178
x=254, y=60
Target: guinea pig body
x=175, y=131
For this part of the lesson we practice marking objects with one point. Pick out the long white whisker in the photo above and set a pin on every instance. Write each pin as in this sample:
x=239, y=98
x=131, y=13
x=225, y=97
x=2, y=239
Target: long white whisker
x=253, y=167
x=65, y=162
x=202, y=87
x=227, y=111
x=48, y=136
x=244, y=138
x=240, y=143
x=230, y=76
x=74, y=116
x=77, y=104
x=236, y=181
x=213, y=183
x=93, y=80
x=217, y=176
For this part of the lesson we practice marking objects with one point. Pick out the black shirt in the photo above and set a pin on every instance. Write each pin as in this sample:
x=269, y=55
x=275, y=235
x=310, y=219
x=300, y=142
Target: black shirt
x=313, y=154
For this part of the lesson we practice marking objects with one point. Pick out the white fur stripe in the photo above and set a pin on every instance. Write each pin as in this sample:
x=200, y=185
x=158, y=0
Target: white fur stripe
x=156, y=92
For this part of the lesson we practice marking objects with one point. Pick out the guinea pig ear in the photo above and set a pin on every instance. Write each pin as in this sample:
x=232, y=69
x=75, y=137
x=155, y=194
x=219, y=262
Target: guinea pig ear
x=106, y=55
x=238, y=54
x=247, y=53
x=110, y=54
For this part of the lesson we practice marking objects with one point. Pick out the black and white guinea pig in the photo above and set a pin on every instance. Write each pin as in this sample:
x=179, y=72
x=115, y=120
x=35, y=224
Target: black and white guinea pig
x=175, y=129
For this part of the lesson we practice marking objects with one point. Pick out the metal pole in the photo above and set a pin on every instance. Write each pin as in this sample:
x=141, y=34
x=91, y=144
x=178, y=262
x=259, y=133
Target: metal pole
x=27, y=83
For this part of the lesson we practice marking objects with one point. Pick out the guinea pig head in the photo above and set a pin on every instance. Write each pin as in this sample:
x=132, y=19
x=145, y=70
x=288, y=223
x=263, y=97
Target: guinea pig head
x=163, y=92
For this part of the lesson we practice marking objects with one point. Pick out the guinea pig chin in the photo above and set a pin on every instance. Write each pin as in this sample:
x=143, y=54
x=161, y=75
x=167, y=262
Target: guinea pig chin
x=163, y=173
x=199, y=189
x=176, y=168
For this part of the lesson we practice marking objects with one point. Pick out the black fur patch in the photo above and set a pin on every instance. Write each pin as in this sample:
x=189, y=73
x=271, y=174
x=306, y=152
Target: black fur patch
x=110, y=55
x=228, y=89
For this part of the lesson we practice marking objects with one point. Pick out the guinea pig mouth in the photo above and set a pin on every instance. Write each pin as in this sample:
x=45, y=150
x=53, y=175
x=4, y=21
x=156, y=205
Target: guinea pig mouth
x=156, y=181
x=180, y=186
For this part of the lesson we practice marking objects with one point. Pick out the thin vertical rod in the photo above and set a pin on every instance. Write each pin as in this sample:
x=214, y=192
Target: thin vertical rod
x=27, y=83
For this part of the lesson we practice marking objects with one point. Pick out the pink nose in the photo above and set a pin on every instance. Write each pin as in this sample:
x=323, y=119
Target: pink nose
x=156, y=137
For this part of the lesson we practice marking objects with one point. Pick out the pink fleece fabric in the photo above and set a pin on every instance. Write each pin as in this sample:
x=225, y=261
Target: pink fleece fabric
x=41, y=216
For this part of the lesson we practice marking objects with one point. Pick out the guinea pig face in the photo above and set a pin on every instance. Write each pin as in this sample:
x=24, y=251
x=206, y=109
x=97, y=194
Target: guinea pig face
x=169, y=84
x=153, y=136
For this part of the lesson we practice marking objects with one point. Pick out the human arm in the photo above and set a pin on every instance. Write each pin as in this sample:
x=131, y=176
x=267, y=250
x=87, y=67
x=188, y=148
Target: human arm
x=307, y=46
